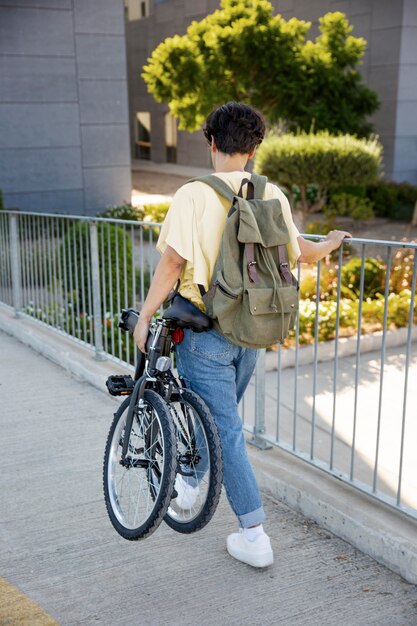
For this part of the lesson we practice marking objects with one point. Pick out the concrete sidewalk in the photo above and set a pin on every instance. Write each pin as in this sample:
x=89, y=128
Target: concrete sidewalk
x=59, y=548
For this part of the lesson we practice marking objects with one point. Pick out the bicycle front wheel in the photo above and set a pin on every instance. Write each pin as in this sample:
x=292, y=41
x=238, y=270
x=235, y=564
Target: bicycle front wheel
x=199, y=476
x=135, y=501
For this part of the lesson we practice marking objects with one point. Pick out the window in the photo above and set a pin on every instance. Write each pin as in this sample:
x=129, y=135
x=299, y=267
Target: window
x=171, y=138
x=143, y=135
x=136, y=9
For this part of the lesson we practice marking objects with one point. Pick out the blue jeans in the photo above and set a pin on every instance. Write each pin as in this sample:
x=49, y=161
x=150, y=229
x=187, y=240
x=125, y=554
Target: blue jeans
x=219, y=372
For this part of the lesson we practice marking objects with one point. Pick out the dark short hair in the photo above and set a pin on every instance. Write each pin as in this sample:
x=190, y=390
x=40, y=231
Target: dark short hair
x=235, y=127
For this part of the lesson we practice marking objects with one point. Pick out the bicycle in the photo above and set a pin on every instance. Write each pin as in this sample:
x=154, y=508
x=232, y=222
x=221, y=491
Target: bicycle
x=163, y=456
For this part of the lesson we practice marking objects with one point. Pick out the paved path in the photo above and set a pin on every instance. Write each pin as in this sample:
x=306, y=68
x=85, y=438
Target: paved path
x=366, y=423
x=58, y=547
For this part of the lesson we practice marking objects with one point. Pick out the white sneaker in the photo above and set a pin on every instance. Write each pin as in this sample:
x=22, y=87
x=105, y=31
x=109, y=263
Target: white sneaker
x=257, y=553
x=187, y=494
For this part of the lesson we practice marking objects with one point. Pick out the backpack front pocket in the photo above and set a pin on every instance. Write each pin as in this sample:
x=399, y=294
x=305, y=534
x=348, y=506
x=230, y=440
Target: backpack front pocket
x=267, y=314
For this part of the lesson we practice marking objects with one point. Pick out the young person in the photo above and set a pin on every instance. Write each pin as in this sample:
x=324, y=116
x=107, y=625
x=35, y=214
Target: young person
x=211, y=365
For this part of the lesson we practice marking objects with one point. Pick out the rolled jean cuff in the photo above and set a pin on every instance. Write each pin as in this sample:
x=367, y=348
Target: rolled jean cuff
x=253, y=518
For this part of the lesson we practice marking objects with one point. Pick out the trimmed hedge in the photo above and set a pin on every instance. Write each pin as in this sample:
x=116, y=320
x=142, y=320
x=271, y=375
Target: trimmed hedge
x=323, y=160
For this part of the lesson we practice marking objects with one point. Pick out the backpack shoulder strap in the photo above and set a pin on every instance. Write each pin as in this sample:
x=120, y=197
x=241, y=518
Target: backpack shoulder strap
x=217, y=184
x=259, y=183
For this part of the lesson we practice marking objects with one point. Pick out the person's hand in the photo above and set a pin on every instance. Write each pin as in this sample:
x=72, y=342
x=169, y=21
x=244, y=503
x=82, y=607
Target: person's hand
x=336, y=237
x=141, y=333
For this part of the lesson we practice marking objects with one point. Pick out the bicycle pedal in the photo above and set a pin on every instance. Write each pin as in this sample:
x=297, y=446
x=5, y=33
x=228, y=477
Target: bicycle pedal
x=120, y=385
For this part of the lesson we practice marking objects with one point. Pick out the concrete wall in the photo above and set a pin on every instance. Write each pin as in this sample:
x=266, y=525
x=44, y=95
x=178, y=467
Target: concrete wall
x=64, y=140
x=390, y=67
x=405, y=147
x=167, y=18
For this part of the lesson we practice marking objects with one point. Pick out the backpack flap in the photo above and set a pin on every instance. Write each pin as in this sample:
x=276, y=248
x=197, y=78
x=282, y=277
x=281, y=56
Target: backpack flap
x=261, y=221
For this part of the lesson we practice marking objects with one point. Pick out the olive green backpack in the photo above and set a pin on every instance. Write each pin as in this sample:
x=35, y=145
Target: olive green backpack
x=253, y=297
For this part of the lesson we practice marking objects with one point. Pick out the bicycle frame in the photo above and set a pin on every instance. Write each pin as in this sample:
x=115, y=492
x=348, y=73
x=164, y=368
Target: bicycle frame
x=154, y=369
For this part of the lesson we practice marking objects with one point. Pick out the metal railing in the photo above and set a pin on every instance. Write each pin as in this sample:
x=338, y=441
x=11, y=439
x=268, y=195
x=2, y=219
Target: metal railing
x=75, y=274
x=343, y=404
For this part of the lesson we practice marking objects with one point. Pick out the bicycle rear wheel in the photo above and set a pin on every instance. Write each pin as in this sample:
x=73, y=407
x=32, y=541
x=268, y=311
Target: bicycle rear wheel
x=199, y=464
x=134, y=510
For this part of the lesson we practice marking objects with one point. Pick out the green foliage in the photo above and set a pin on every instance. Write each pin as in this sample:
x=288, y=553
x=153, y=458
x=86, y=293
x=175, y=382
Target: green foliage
x=348, y=317
x=2, y=207
x=372, y=316
x=374, y=278
x=320, y=227
x=323, y=160
x=373, y=305
x=155, y=212
x=122, y=212
x=328, y=284
x=359, y=191
x=244, y=52
x=393, y=200
x=401, y=271
x=346, y=204
x=115, y=252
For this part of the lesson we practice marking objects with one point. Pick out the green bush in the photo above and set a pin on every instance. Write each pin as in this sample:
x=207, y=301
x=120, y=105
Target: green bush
x=155, y=212
x=371, y=321
x=114, y=245
x=348, y=318
x=359, y=191
x=2, y=207
x=328, y=284
x=323, y=160
x=399, y=308
x=374, y=278
x=149, y=213
x=123, y=212
x=398, y=311
x=393, y=200
x=317, y=227
x=401, y=271
x=349, y=205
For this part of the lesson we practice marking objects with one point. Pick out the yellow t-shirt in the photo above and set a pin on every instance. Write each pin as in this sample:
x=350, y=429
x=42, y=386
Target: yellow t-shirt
x=194, y=225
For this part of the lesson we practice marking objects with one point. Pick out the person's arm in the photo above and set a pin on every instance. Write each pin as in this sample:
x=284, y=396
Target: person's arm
x=167, y=273
x=312, y=251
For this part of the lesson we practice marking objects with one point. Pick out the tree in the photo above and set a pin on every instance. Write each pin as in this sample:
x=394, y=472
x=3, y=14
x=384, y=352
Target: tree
x=320, y=161
x=244, y=52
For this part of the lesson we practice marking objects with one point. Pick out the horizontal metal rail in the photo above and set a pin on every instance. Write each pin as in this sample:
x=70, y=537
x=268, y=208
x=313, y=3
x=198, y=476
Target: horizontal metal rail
x=322, y=396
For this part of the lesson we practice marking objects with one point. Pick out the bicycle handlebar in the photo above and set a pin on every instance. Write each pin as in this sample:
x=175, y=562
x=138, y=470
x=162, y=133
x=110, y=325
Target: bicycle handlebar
x=128, y=319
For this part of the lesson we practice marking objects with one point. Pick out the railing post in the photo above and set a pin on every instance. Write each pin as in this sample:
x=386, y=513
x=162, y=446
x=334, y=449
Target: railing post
x=15, y=264
x=96, y=294
x=259, y=424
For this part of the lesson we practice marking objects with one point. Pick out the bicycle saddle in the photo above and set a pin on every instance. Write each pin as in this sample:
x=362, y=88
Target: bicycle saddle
x=187, y=315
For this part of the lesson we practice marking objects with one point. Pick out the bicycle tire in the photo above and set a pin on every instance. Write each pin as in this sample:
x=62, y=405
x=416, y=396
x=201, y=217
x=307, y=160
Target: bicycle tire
x=210, y=483
x=133, y=511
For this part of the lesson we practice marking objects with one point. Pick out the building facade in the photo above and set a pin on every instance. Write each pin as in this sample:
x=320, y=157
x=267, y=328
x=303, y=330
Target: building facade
x=390, y=68
x=64, y=140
